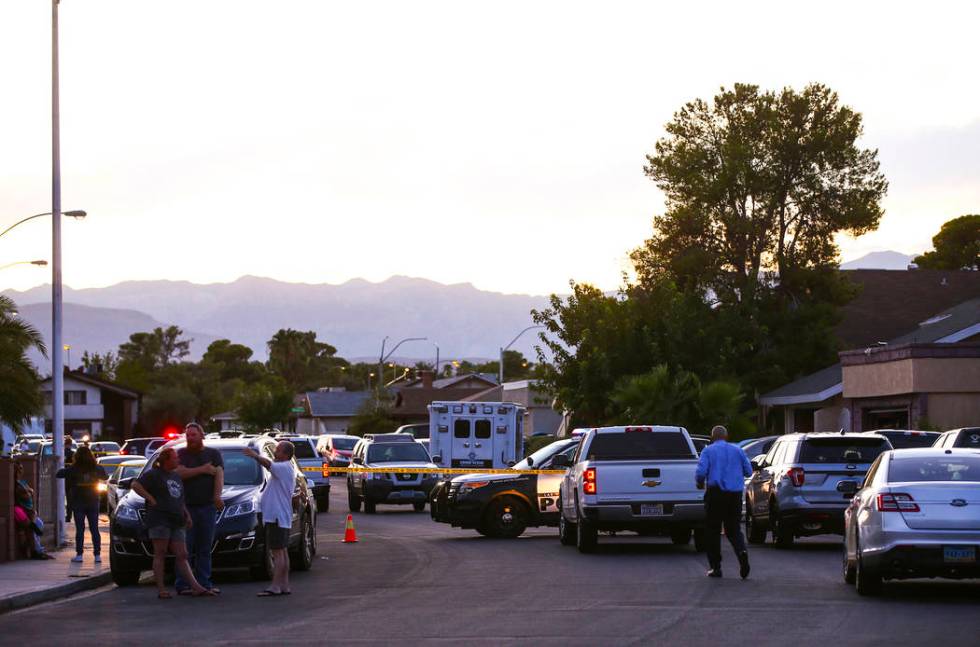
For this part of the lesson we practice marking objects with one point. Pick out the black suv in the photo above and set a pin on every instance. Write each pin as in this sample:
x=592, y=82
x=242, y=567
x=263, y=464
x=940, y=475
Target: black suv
x=239, y=540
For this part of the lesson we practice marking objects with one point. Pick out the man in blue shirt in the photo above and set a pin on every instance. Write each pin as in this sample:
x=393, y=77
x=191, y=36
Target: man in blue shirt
x=724, y=468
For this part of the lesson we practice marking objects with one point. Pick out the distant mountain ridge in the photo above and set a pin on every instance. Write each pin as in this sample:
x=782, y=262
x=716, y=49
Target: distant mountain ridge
x=887, y=260
x=354, y=316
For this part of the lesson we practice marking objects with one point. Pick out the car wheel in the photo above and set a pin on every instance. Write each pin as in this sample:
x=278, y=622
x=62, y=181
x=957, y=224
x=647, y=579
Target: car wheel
x=506, y=517
x=419, y=507
x=566, y=531
x=755, y=533
x=264, y=569
x=353, y=501
x=323, y=503
x=782, y=534
x=303, y=559
x=849, y=569
x=586, y=537
x=866, y=580
x=121, y=576
x=369, y=507
x=681, y=537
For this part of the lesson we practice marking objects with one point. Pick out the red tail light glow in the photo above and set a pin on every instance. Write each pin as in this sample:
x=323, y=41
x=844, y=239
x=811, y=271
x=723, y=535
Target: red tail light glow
x=325, y=469
x=589, y=485
x=796, y=475
x=896, y=502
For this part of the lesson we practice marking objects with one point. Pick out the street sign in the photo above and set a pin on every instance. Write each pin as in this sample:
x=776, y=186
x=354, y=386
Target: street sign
x=298, y=409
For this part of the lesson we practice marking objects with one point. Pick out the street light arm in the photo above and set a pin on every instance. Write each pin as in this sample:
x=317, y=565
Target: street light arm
x=392, y=351
x=71, y=214
x=500, y=365
x=514, y=340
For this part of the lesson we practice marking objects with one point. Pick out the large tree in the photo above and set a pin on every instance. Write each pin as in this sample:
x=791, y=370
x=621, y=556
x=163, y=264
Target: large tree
x=757, y=185
x=302, y=361
x=20, y=393
x=955, y=247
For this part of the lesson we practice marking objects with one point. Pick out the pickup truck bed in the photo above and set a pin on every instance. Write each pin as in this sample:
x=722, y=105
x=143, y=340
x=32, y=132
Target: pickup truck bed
x=638, y=479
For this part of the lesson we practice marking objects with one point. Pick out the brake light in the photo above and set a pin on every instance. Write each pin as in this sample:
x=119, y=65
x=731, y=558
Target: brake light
x=632, y=429
x=325, y=469
x=589, y=486
x=796, y=475
x=897, y=503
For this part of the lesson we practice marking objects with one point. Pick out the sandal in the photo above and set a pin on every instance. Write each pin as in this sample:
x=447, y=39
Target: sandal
x=206, y=593
x=164, y=595
x=268, y=594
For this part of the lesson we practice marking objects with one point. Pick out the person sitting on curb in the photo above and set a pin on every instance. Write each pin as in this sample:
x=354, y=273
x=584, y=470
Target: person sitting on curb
x=27, y=520
x=166, y=520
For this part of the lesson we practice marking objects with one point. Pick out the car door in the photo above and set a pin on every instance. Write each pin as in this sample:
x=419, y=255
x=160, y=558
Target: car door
x=762, y=480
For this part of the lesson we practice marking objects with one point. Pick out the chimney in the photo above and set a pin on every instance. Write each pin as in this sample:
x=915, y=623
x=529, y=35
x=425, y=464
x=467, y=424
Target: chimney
x=426, y=379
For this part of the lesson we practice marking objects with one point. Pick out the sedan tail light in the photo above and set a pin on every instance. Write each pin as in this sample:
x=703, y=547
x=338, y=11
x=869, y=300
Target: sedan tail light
x=325, y=469
x=896, y=502
x=796, y=475
x=589, y=484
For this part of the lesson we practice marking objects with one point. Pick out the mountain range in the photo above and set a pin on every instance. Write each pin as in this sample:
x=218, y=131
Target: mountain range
x=354, y=316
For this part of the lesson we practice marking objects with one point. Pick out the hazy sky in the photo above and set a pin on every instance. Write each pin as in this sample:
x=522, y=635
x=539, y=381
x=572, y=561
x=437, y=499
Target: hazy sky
x=495, y=143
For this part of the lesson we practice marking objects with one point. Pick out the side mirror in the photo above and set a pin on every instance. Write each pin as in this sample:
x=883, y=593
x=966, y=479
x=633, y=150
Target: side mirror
x=125, y=484
x=357, y=461
x=757, y=463
x=561, y=461
x=530, y=461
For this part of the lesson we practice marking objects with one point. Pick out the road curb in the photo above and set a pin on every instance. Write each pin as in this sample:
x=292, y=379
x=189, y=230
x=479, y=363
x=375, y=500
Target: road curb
x=31, y=598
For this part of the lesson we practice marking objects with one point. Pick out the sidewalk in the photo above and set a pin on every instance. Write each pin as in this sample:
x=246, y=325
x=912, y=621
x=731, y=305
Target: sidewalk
x=27, y=582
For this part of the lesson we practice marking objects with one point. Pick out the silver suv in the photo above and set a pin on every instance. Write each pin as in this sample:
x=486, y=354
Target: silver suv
x=802, y=486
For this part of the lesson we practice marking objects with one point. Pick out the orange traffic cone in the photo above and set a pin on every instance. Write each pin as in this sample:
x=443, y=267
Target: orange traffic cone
x=350, y=536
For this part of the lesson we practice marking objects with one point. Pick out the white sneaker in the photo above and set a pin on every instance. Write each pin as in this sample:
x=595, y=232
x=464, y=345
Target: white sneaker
x=77, y=559
x=98, y=559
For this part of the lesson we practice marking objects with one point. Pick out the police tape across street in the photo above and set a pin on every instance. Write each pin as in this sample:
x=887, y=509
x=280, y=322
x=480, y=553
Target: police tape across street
x=327, y=471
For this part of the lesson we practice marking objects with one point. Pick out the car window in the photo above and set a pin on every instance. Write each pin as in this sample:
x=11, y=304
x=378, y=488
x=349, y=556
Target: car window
x=544, y=455
x=304, y=449
x=392, y=452
x=968, y=438
x=640, y=445
x=842, y=450
x=240, y=469
x=870, y=476
x=771, y=454
x=345, y=444
x=130, y=471
x=905, y=440
x=959, y=468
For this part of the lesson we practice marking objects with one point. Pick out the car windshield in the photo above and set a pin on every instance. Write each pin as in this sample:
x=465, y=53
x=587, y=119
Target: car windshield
x=304, y=449
x=842, y=450
x=541, y=455
x=756, y=447
x=905, y=440
x=393, y=452
x=639, y=445
x=129, y=471
x=345, y=444
x=959, y=469
x=239, y=469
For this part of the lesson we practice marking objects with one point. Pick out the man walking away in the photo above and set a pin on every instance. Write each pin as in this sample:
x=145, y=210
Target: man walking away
x=724, y=468
x=202, y=471
x=276, y=506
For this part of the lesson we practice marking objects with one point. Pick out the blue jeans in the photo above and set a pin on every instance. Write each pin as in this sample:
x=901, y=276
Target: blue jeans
x=200, y=538
x=82, y=514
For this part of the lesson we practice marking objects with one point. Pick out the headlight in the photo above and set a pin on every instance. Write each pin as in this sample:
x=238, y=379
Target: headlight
x=239, y=509
x=466, y=488
x=378, y=475
x=127, y=512
x=102, y=486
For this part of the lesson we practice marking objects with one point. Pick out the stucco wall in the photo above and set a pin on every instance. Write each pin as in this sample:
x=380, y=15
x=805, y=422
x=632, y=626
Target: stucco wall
x=919, y=375
x=953, y=410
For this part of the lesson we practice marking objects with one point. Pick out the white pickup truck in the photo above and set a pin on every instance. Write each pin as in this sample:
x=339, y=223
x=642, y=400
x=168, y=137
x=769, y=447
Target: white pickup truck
x=638, y=478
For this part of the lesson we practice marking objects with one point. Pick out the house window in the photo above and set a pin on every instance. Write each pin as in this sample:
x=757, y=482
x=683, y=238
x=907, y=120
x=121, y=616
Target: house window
x=75, y=398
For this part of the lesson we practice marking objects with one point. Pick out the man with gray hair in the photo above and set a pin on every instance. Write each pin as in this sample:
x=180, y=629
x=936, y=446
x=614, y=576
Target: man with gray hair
x=724, y=468
x=276, y=506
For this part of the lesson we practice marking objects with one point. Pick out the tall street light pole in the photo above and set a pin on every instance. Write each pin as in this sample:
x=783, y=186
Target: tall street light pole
x=500, y=372
x=382, y=358
x=57, y=360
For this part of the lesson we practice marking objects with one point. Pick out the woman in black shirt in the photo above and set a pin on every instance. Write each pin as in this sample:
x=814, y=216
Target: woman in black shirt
x=81, y=485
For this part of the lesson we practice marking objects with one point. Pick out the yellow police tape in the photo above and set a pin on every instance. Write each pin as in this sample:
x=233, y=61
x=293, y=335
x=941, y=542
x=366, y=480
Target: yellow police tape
x=423, y=470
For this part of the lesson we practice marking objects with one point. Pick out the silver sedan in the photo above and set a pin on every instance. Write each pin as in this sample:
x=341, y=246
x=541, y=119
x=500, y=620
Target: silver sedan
x=917, y=515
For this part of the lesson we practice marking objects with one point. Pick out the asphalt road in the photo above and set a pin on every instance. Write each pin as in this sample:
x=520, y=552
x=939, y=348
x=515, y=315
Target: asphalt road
x=409, y=580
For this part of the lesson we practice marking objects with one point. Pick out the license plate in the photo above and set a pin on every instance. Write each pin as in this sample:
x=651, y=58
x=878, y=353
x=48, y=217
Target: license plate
x=955, y=555
x=651, y=510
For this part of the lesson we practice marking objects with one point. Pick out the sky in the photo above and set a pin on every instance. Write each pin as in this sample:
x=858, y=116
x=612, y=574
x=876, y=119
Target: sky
x=500, y=144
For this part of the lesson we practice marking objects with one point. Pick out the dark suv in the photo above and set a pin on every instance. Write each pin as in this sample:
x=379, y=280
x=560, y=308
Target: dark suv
x=239, y=537
x=804, y=483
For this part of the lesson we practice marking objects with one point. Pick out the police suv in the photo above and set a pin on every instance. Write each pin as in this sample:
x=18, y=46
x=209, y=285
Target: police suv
x=503, y=505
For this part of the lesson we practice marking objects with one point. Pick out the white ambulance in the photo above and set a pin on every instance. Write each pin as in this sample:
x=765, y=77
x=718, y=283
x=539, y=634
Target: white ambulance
x=476, y=434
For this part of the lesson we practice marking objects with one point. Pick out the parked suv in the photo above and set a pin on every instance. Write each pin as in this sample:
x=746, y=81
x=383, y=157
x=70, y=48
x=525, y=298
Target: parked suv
x=137, y=446
x=907, y=439
x=312, y=464
x=802, y=486
x=968, y=437
x=389, y=451
x=336, y=449
x=239, y=539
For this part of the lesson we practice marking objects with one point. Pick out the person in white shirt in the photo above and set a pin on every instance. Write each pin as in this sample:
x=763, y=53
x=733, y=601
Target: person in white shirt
x=276, y=506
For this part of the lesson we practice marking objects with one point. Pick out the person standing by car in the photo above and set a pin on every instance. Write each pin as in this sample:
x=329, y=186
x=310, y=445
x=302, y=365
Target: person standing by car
x=166, y=520
x=276, y=506
x=202, y=470
x=724, y=468
x=81, y=480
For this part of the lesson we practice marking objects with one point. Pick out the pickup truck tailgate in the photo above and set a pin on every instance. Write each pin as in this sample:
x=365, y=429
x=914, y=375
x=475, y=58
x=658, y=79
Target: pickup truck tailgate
x=639, y=480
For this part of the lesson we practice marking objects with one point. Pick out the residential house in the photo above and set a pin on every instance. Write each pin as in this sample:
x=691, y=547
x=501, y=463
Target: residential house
x=329, y=411
x=540, y=416
x=94, y=407
x=412, y=399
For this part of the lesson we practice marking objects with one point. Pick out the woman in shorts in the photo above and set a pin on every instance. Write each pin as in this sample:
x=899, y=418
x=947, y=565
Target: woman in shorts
x=166, y=520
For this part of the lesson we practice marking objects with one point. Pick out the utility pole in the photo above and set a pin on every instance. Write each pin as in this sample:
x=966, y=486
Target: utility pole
x=57, y=359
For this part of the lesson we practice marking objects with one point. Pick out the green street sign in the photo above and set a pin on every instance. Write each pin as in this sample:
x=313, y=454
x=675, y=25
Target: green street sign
x=298, y=409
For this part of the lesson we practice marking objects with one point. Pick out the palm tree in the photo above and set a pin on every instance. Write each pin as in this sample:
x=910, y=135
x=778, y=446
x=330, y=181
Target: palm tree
x=20, y=392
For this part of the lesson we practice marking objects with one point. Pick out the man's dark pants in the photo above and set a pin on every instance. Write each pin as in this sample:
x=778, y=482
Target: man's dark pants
x=722, y=509
x=200, y=538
